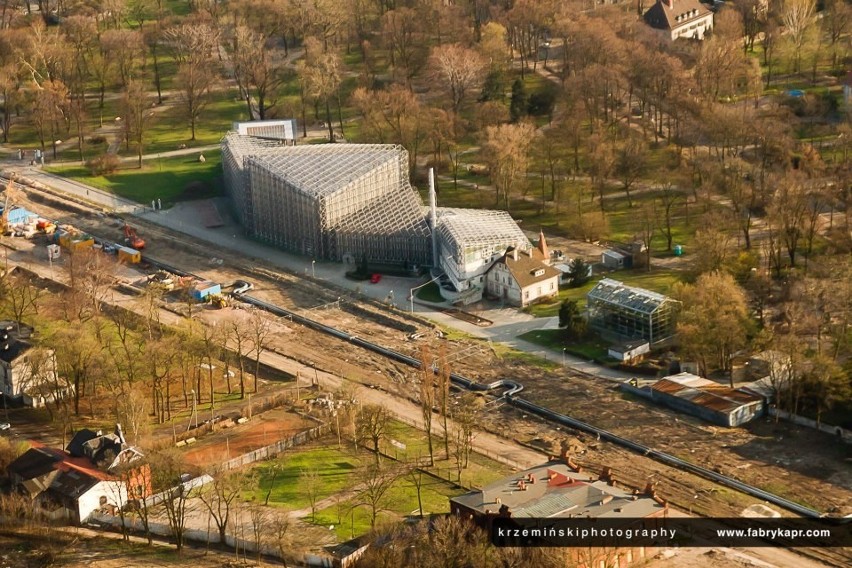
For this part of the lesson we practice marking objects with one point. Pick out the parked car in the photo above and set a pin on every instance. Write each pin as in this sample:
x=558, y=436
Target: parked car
x=241, y=287
x=5, y=425
x=375, y=278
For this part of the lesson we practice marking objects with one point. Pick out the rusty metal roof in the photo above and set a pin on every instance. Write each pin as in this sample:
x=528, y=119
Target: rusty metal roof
x=713, y=396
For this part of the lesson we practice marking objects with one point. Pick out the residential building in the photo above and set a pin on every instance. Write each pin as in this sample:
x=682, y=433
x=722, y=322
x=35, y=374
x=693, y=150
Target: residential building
x=95, y=473
x=520, y=279
x=680, y=18
x=27, y=372
x=627, y=313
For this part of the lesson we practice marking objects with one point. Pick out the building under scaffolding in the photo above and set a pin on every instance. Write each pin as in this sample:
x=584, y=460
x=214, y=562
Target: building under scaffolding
x=329, y=201
x=350, y=201
x=470, y=240
x=624, y=312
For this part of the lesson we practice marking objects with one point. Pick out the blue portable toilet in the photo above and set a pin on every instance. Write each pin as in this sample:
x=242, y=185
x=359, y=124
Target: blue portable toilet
x=678, y=250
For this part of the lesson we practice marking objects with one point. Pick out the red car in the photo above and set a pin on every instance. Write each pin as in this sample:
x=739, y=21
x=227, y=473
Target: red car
x=375, y=278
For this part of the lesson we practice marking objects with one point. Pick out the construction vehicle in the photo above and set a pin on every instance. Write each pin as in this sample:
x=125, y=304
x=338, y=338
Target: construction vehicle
x=11, y=194
x=218, y=301
x=132, y=238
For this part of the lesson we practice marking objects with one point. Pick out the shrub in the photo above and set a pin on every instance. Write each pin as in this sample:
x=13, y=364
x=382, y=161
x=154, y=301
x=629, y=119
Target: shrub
x=104, y=164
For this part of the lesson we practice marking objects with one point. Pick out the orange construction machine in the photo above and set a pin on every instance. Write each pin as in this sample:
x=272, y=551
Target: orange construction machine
x=132, y=238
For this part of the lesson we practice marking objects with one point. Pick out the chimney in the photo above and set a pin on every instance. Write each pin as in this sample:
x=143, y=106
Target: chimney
x=669, y=3
x=515, y=254
x=433, y=216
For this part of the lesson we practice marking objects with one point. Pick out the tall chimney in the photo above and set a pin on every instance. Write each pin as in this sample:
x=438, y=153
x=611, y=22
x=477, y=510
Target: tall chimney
x=669, y=3
x=433, y=216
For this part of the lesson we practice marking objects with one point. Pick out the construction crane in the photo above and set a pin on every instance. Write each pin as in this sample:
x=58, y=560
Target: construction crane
x=131, y=238
x=11, y=195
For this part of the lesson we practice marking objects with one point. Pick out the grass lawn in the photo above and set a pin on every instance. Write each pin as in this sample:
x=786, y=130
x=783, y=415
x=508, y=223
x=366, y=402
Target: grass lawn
x=166, y=178
x=351, y=518
x=592, y=348
x=656, y=280
x=430, y=293
x=335, y=467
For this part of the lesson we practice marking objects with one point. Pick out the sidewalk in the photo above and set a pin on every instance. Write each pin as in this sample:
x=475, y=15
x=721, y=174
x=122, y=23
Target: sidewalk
x=508, y=324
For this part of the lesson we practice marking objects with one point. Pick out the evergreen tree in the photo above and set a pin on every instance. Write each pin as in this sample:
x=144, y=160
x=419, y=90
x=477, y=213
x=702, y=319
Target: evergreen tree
x=520, y=101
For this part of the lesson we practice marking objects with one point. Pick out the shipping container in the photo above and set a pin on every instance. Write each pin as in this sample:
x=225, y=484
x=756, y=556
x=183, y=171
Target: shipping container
x=201, y=290
x=129, y=255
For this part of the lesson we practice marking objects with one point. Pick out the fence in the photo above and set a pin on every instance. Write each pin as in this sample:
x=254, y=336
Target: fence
x=278, y=447
x=841, y=433
x=494, y=456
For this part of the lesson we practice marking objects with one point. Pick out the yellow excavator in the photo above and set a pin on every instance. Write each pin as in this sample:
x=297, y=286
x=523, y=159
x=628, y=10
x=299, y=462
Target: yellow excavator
x=218, y=301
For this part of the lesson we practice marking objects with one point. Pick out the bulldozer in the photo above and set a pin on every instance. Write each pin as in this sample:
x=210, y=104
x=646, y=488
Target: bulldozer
x=218, y=301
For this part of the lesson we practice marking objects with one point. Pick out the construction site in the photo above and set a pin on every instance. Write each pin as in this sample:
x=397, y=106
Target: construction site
x=354, y=203
x=794, y=462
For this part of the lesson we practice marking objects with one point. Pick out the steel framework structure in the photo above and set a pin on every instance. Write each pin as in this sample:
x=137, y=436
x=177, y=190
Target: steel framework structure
x=469, y=239
x=328, y=201
x=626, y=312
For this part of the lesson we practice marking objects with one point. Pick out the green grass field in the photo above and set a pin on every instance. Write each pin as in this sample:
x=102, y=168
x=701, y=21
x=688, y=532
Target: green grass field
x=592, y=348
x=164, y=178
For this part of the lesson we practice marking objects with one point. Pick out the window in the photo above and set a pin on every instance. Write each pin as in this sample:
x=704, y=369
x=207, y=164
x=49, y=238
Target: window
x=551, y=286
x=527, y=295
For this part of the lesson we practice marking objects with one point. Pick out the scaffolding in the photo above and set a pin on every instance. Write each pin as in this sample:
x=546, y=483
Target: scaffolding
x=235, y=149
x=331, y=201
x=470, y=239
x=628, y=313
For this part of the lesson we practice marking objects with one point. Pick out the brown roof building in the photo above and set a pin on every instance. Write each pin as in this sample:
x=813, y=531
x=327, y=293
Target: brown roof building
x=707, y=399
x=521, y=279
x=680, y=18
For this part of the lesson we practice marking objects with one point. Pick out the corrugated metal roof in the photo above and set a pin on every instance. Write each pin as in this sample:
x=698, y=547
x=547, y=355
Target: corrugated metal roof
x=717, y=397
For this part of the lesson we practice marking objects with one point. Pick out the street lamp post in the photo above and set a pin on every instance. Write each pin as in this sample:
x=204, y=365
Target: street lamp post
x=313, y=269
x=563, y=357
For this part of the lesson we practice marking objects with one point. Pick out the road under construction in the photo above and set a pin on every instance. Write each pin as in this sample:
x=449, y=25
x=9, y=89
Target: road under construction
x=508, y=390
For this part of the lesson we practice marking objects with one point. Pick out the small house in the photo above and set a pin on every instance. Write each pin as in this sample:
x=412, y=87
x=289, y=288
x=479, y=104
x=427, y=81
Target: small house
x=27, y=372
x=630, y=351
x=680, y=18
x=520, y=279
x=201, y=290
x=73, y=484
x=614, y=260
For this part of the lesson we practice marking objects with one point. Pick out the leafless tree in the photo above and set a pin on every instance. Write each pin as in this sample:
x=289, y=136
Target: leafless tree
x=460, y=69
x=219, y=497
x=260, y=332
x=373, y=423
x=167, y=469
x=427, y=396
x=137, y=115
x=375, y=484
x=798, y=16
x=311, y=484
x=506, y=150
